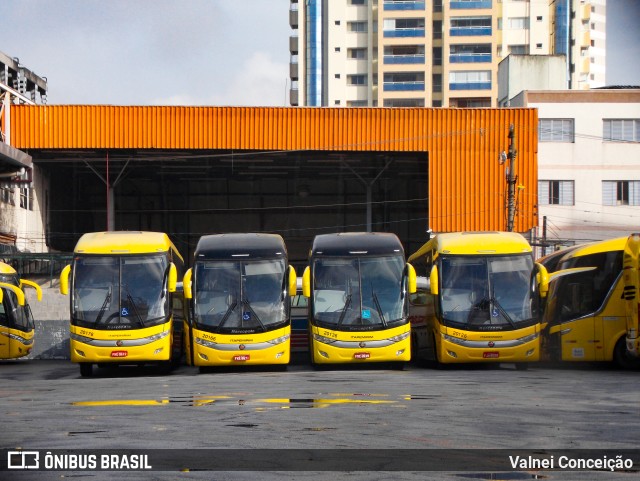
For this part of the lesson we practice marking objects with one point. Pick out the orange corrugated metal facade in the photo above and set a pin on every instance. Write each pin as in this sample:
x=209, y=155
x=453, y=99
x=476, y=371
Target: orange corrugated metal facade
x=467, y=187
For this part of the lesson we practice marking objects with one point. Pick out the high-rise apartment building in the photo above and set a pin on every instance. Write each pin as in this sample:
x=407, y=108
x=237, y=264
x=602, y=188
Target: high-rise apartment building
x=433, y=53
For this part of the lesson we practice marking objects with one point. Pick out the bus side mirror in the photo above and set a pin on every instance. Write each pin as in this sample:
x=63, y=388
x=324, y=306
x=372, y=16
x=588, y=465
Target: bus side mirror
x=433, y=281
x=172, y=281
x=64, y=280
x=293, y=281
x=306, y=282
x=186, y=284
x=24, y=282
x=412, y=283
x=542, y=279
x=16, y=290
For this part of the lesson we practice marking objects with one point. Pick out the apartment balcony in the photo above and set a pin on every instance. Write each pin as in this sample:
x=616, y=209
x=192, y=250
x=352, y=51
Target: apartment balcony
x=404, y=59
x=293, y=70
x=477, y=4
x=403, y=5
x=403, y=86
x=293, y=16
x=470, y=31
x=404, y=33
x=470, y=58
x=293, y=44
x=470, y=86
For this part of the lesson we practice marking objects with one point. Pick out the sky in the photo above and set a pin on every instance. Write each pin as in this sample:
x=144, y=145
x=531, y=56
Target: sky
x=195, y=52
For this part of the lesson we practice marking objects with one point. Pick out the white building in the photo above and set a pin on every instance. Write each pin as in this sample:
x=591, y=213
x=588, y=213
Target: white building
x=588, y=162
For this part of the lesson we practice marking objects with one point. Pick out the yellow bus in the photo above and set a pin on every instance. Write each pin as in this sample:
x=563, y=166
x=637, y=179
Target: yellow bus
x=16, y=321
x=358, y=286
x=239, y=290
x=631, y=293
x=121, y=285
x=585, y=312
x=473, y=304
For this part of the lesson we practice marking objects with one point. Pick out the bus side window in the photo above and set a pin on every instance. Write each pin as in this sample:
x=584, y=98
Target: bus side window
x=4, y=319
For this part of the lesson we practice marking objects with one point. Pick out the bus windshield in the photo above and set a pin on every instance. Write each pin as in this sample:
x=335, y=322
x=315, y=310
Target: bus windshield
x=234, y=297
x=120, y=292
x=358, y=293
x=13, y=314
x=486, y=292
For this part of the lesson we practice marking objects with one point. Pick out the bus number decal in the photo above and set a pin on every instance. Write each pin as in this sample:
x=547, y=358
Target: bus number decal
x=461, y=335
x=86, y=333
x=208, y=337
x=330, y=334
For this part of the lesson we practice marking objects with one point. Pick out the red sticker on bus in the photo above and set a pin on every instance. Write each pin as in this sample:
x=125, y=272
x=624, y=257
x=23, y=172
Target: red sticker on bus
x=361, y=355
x=241, y=357
x=491, y=355
x=119, y=353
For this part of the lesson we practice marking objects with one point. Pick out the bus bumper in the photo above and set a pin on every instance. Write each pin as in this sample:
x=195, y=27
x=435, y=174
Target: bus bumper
x=389, y=349
x=452, y=352
x=234, y=350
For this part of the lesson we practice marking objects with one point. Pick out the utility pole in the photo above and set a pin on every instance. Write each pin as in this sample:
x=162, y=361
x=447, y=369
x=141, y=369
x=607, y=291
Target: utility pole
x=511, y=179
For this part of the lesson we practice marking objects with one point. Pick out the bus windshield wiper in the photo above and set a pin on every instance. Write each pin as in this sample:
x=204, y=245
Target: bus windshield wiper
x=134, y=308
x=105, y=304
x=378, y=308
x=502, y=311
x=246, y=303
x=347, y=303
x=231, y=308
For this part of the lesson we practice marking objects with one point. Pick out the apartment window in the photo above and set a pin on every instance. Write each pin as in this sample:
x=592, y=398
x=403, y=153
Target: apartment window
x=26, y=198
x=538, y=45
x=357, y=79
x=470, y=26
x=621, y=192
x=336, y=102
x=556, y=192
x=337, y=75
x=518, y=23
x=437, y=29
x=519, y=49
x=337, y=22
x=437, y=6
x=360, y=27
x=436, y=54
x=6, y=195
x=436, y=82
x=403, y=102
x=357, y=53
x=621, y=130
x=356, y=103
x=358, y=2
x=555, y=130
x=470, y=80
x=404, y=27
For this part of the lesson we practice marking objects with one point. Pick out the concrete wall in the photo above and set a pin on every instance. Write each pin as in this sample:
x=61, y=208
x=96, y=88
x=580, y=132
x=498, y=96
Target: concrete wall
x=52, y=323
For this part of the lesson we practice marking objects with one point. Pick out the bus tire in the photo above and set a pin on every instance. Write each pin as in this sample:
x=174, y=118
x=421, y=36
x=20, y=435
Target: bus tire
x=622, y=358
x=86, y=369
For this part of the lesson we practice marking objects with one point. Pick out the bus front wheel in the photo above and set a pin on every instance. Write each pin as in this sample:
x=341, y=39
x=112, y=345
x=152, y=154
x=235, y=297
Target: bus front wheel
x=86, y=369
x=622, y=358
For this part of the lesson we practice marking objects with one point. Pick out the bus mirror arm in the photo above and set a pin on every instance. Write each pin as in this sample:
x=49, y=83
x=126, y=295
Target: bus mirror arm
x=293, y=281
x=33, y=285
x=412, y=285
x=186, y=284
x=173, y=278
x=306, y=282
x=64, y=280
x=16, y=290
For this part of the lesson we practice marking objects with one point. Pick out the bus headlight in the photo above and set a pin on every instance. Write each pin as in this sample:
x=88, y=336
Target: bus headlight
x=160, y=335
x=530, y=338
x=278, y=340
x=324, y=340
x=400, y=337
x=209, y=344
x=454, y=340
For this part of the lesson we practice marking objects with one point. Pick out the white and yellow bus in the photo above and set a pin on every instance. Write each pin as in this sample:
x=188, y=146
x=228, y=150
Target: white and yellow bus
x=121, y=285
x=239, y=290
x=587, y=306
x=17, y=327
x=474, y=304
x=358, y=286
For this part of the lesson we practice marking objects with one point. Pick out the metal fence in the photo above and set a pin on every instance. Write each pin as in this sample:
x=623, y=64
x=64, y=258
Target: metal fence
x=44, y=266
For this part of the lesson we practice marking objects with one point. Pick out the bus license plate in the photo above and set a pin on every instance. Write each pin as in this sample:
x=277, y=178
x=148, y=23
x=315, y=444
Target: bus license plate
x=491, y=355
x=119, y=353
x=361, y=355
x=241, y=357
